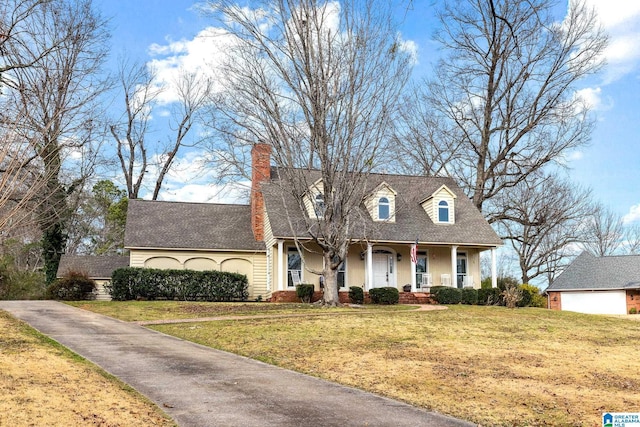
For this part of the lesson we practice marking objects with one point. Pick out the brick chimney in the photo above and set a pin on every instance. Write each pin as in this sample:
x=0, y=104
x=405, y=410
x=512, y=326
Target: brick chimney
x=260, y=171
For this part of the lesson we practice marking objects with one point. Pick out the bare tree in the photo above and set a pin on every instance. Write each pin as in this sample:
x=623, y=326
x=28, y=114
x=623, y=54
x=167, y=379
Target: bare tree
x=58, y=96
x=138, y=156
x=504, y=95
x=604, y=231
x=542, y=219
x=632, y=239
x=319, y=82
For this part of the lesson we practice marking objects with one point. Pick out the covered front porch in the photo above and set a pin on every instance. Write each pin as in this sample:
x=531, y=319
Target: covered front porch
x=415, y=268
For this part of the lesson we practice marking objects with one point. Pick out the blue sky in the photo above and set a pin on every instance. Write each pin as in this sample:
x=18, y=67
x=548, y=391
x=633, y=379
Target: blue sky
x=165, y=31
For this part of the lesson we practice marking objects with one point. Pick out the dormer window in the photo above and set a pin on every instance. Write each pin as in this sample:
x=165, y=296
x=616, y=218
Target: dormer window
x=319, y=205
x=383, y=208
x=443, y=211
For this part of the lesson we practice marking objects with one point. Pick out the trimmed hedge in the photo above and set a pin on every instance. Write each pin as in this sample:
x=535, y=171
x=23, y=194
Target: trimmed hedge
x=386, y=295
x=74, y=286
x=304, y=291
x=447, y=295
x=132, y=283
x=356, y=295
x=469, y=296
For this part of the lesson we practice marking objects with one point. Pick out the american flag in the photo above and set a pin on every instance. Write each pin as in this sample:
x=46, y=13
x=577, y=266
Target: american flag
x=414, y=253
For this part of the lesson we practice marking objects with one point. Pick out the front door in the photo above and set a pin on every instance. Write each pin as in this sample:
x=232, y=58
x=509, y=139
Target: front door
x=383, y=271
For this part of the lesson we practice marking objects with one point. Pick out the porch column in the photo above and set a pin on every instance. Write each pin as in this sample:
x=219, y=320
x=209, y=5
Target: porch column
x=279, y=263
x=494, y=277
x=413, y=270
x=454, y=266
x=369, y=278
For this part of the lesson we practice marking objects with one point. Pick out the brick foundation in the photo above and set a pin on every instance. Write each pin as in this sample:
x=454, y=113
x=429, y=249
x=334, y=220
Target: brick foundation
x=405, y=297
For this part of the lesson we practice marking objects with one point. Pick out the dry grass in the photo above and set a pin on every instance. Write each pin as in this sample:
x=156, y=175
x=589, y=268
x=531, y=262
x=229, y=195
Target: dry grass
x=43, y=384
x=131, y=311
x=489, y=365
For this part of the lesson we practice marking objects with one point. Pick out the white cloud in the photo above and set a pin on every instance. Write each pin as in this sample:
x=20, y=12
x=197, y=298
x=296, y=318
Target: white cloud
x=591, y=97
x=621, y=20
x=202, y=56
x=633, y=215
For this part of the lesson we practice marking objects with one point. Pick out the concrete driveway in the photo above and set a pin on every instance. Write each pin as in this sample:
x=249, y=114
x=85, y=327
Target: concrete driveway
x=199, y=386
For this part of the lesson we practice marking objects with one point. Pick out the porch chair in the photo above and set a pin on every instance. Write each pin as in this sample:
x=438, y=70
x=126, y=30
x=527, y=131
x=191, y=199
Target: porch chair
x=295, y=278
x=445, y=280
x=425, y=284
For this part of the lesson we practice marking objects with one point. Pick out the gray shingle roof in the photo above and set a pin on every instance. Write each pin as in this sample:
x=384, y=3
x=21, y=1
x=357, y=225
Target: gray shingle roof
x=97, y=267
x=179, y=225
x=588, y=272
x=412, y=222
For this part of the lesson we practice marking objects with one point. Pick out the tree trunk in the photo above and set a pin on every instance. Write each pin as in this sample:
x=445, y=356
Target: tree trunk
x=330, y=296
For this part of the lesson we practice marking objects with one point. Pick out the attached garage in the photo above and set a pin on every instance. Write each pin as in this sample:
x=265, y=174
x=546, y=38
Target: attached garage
x=595, y=302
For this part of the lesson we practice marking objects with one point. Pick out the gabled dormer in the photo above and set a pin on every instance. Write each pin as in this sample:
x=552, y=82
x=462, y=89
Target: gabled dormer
x=314, y=200
x=440, y=206
x=381, y=203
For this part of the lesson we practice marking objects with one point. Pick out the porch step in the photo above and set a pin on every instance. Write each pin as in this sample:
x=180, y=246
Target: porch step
x=415, y=298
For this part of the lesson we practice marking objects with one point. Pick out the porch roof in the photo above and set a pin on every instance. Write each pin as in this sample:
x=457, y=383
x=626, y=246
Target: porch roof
x=411, y=220
x=588, y=272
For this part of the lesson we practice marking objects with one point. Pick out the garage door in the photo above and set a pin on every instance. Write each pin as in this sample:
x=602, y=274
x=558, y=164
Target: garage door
x=609, y=302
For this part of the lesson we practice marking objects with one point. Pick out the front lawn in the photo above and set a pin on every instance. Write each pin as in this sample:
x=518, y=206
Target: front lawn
x=44, y=384
x=489, y=365
x=132, y=311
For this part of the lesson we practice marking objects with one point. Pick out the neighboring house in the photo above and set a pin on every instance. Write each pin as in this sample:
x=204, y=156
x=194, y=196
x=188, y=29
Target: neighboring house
x=98, y=268
x=597, y=285
x=258, y=239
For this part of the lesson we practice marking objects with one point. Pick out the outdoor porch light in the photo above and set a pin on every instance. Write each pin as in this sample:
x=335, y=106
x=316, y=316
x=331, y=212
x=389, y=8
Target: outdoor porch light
x=362, y=254
x=399, y=257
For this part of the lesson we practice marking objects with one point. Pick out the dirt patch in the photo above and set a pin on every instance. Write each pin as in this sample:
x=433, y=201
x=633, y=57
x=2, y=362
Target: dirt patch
x=44, y=385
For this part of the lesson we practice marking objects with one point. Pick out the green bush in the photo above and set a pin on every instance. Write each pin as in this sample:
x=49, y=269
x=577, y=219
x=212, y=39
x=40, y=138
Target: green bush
x=386, y=295
x=16, y=284
x=356, y=295
x=469, y=296
x=633, y=310
x=145, y=283
x=304, y=291
x=448, y=295
x=490, y=296
x=531, y=297
x=74, y=286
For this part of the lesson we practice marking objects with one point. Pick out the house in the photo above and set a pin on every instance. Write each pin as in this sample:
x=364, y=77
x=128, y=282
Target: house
x=98, y=268
x=259, y=239
x=597, y=285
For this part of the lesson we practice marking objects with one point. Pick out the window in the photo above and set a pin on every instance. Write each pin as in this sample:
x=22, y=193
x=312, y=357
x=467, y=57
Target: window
x=443, y=211
x=383, y=208
x=422, y=268
x=342, y=270
x=319, y=205
x=294, y=267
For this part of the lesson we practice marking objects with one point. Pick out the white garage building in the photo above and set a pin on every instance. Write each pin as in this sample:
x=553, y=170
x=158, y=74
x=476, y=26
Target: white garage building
x=597, y=285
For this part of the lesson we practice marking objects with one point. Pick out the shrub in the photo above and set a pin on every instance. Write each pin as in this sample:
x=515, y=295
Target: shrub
x=512, y=296
x=447, y=295
x=386, y=295
x=469, y=296
x=304, y=291
x=356, y=295
x=145, y=283
x=74, y=286
x=633, y=310
x=531, y=297
x=16, y=284
x=490, y=296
